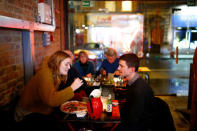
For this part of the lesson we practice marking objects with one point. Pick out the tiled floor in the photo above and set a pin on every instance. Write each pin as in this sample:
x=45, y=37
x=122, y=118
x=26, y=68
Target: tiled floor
x=167, y=77
x=170, y=82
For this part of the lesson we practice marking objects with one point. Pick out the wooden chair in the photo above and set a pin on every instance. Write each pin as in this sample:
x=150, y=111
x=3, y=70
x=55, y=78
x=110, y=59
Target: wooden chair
x=193, y=95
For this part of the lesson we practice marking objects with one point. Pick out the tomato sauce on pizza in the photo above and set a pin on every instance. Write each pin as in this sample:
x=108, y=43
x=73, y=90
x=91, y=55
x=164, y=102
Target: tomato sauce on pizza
x=73, y=107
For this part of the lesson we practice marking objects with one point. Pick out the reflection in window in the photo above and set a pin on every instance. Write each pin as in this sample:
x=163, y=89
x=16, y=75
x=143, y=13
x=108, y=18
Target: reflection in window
x=180, y=39
x=193, y=43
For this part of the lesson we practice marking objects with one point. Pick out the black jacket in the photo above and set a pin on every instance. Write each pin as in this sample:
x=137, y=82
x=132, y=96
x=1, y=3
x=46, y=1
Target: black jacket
x=138, y=103
x=72, y=74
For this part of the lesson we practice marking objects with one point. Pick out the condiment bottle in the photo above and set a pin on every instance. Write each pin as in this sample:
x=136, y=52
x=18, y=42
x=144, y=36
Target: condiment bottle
x=109, y=105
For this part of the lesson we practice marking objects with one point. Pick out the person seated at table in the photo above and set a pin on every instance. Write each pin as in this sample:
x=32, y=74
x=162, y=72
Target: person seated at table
x=142, y=111
x=110, y=64
x=84, y=66
x=41, y=95
x=137, y=108
x=81, y=92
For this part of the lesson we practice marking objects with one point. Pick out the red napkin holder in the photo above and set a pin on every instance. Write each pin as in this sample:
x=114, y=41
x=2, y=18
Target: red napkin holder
x=115, y=109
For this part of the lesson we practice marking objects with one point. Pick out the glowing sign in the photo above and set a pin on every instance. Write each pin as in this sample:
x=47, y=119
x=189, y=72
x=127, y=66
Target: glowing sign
x=124, y=32
x=179, y=20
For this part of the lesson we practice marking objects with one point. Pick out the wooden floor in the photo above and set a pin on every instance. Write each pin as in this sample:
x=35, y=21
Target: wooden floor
x=180, y=113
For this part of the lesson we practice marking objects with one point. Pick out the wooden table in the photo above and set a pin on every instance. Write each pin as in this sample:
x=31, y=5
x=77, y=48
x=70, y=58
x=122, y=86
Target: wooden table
x=106, y=121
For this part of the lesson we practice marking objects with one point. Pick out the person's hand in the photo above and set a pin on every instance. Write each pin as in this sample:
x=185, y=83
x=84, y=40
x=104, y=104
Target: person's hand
x=89, y=75
x=76, y=84
x=103, y=72
x=117, y=72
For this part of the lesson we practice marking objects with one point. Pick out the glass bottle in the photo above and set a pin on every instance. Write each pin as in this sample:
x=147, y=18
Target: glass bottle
x=109, y=105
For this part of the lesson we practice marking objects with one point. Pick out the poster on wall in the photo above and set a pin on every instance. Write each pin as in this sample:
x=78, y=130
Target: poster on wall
x=124, y=32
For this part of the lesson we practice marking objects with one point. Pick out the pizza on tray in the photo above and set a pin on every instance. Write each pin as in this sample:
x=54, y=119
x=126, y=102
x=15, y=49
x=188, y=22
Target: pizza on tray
x=73, y=107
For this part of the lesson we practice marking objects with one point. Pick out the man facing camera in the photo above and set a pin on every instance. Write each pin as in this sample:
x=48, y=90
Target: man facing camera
x=110, y=65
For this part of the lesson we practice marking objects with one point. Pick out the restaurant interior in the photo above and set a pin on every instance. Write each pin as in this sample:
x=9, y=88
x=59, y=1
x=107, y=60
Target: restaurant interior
x=162, y=33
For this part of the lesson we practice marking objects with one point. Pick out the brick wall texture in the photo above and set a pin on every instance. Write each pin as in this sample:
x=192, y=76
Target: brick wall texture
x=21, y=9
x=11, y=64
x=11, y=53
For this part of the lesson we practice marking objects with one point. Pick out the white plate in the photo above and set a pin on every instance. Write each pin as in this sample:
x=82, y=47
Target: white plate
x=81, y=114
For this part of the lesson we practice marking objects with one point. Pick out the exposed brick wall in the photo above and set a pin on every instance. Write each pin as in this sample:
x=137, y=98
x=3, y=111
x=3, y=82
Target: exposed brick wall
x=21, y=9
x=42, y=51
x=11, y=54
x=11, y=65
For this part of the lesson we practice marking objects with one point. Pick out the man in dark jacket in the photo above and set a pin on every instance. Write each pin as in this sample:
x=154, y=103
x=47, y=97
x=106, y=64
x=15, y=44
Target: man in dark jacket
x=137, y=108
x=139, y=113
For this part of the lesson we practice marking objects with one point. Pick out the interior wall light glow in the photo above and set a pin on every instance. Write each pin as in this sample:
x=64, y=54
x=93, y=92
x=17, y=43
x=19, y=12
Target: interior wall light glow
x=77, y=31
x=126, y=6
x=110, y=5
x=92, y=56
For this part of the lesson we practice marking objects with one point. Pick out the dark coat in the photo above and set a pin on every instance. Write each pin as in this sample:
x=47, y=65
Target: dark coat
x=137, y=108
x=162, y=117
x=144, y=112
x=72, y=74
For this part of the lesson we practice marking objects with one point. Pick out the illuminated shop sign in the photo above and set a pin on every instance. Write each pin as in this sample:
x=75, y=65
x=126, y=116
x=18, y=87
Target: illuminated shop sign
x=105, y=20
x=123, y=32
x=99, y=19
x=179, y=20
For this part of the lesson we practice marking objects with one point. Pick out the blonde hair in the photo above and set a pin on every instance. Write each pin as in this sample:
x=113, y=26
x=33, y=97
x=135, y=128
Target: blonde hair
x=111, y=52
x=83, y=52
x=54, y=64
x=69, y=53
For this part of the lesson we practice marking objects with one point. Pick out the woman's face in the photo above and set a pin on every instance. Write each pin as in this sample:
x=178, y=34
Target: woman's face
x=65, y=66
x=83, y=58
